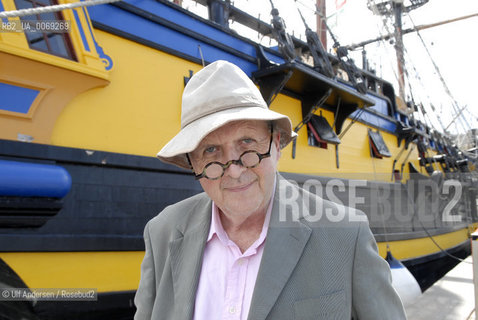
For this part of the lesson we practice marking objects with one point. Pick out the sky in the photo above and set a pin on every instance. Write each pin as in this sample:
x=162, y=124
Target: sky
x=450, y=46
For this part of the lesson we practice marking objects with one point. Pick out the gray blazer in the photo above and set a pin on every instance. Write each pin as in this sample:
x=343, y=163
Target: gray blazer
x=311, y=268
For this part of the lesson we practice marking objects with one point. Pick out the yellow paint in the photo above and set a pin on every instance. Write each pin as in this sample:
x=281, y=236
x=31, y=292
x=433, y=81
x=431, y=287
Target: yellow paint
x=12, y=38
x=41, y=88
x=105, y=271
x=355, y=161
x=57, y=79
x=118, y=271
x=91, y=57
x=413, y=248
x=54, y=60
x=89, y=62
x=138, y=112
x=56, y=85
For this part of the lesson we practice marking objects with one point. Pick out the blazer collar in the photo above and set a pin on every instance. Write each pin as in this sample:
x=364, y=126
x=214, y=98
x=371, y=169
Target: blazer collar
x=186, y=252
x=284, y=245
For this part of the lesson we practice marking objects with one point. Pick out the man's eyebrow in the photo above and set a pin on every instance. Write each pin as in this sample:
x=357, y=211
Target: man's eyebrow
x=247, y=136
x=254, y=135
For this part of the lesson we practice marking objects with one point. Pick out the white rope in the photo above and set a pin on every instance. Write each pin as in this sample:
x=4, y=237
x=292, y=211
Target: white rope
x=54, y=8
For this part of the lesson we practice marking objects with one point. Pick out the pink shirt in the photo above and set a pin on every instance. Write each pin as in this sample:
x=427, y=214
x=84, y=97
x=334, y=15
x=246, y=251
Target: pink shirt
x=228, y=276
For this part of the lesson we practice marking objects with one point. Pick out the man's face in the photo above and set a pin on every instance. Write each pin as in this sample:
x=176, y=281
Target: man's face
x=240, y=191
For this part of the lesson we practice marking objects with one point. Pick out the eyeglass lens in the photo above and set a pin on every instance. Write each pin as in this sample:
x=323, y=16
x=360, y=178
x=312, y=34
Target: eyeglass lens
x=249, y=159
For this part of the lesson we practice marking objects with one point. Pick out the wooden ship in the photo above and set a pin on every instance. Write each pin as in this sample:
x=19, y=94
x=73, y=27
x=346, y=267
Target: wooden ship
x=83, y=113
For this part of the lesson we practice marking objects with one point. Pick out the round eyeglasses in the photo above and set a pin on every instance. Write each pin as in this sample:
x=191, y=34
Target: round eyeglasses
x=248, y=159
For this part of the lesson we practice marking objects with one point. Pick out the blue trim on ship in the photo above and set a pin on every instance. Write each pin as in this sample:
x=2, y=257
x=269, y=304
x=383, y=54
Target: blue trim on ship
x=23, y=179
x=82, y=32
x=380, y=105
x=16, y=99
x=106, y=59
x=156, y=33
x=2, y=9
x=375, y=120
x=200, y=27
x=191, y=33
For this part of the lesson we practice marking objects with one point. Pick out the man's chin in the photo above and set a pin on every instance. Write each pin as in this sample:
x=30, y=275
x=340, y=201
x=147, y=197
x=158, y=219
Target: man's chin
x=243, y=207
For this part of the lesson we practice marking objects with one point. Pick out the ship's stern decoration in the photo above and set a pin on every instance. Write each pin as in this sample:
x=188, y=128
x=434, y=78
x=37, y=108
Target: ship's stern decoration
x=43, y=71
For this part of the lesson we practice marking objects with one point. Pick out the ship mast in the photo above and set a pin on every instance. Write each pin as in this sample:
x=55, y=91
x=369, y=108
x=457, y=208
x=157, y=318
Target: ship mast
x=395, y=9
x=409, y=30
x=321, y=22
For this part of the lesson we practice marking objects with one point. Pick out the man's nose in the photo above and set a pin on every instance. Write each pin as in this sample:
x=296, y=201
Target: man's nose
x=234, y=170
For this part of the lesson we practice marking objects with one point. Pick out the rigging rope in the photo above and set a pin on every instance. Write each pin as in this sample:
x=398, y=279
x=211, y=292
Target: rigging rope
x=445, y=86
x=428, y=98
x=53, y=8
x=424, y=114
x=439, y=247
x=420, y=81
x=413, y=202
x=383, y=43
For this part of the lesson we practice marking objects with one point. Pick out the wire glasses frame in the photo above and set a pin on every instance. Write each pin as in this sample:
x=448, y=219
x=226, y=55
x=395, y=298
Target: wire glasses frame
x=248, y=159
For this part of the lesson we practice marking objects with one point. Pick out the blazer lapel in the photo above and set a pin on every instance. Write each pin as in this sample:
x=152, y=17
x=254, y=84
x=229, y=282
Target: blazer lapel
x=283, y=248
x=186, y=253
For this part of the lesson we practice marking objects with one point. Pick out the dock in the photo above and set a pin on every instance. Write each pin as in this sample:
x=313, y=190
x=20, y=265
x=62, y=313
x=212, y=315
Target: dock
x=450, y=298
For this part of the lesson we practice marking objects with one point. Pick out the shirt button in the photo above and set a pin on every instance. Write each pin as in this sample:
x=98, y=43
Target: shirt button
x=240, y=262
x=232, y=310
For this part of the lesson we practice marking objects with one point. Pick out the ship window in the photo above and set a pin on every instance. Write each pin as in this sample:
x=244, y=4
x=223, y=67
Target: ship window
x=320, y=132
x=378, y=147
x=58, y=44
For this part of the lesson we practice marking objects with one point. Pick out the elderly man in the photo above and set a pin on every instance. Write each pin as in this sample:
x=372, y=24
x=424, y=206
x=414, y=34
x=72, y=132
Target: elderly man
x=241, y=250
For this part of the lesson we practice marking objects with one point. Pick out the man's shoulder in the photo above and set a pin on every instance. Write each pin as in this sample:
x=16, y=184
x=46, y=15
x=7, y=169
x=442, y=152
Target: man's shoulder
x=181, y=212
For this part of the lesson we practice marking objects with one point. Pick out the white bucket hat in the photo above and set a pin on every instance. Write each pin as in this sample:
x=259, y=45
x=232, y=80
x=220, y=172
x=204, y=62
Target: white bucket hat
x=214, y=96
